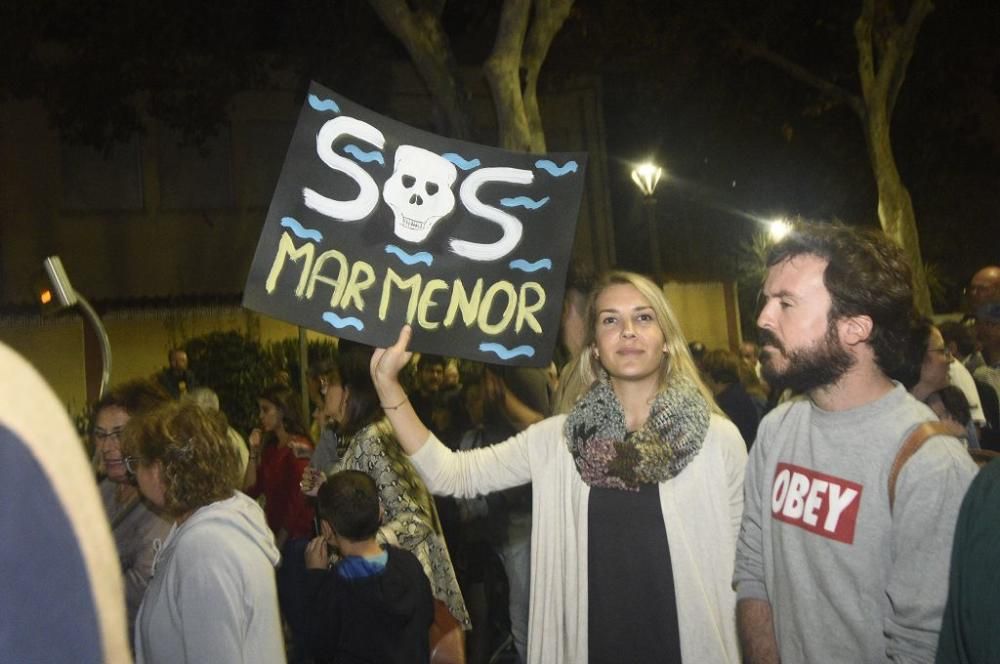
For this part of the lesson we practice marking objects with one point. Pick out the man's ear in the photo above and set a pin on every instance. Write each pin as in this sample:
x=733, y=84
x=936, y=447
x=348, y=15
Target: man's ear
x=381, y=513
x=855, y=330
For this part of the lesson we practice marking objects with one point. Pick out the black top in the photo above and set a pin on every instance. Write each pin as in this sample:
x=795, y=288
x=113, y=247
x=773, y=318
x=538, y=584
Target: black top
x=740, y=408
x=383, y=618
x=631, y=603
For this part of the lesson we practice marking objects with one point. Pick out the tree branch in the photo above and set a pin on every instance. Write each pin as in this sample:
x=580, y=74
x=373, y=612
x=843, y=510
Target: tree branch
x=549, y=17
x=502, y=71
x=434, y=7
x=863, y=41
x=905, y=39
x=423, y=36
x=798, y=72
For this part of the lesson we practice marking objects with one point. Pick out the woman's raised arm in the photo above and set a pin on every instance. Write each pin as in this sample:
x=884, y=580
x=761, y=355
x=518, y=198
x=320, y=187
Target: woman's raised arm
x=385, y=368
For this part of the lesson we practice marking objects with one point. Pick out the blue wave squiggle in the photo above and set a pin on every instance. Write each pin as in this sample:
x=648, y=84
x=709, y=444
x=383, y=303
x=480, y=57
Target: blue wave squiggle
x=525, y=266
x=409, y=259
x=552, y=168
x=364, y=157
x=506, y=353
x=524, y=201
x=323, y=104
x=460, y=161
x=301, y=231
x=341, y=323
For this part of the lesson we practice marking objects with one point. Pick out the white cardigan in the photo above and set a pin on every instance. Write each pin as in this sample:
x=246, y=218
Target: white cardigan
x=702, y=508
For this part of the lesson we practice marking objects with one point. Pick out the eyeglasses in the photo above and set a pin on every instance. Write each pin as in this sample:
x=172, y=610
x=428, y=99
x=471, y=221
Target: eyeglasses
x=131, y=463
x=101, y=435
x=944, y=350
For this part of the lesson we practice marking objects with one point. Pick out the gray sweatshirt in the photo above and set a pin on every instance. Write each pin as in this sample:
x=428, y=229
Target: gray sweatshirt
x=848, y=581
x=212, y=597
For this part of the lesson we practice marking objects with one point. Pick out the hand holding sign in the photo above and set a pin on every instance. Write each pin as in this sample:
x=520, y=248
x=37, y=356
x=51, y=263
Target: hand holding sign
x=386, y=365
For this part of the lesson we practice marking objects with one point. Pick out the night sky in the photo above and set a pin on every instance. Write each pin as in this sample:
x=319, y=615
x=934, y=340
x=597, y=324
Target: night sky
x=740, y=140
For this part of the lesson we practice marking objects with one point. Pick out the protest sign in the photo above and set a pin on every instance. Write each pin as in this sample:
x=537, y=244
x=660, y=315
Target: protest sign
x=374, y=224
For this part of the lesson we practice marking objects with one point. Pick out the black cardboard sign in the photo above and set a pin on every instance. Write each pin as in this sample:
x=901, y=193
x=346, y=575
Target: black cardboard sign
x=374, y=224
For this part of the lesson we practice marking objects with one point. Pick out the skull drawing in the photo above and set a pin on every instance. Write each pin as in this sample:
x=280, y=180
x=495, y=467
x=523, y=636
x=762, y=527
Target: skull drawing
x=419, y=192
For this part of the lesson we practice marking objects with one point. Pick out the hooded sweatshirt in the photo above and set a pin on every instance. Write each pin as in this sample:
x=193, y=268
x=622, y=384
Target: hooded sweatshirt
x=359, y=612
x=212, y=597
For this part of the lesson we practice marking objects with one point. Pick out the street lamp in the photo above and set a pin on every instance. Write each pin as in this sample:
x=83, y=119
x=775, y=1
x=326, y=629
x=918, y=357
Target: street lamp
x=63, y=292
x=778, y=229
x=646, y=176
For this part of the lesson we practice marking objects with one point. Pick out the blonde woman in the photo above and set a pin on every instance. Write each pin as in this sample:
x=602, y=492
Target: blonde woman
x=637, y=491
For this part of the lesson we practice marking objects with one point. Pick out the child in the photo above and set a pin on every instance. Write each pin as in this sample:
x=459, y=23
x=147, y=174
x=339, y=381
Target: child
x=375, y=604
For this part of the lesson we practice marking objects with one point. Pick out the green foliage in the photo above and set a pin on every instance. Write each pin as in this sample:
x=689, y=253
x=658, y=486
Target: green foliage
x=284, y=356
x=237, y=368
x=751, y=265
x=940, y=284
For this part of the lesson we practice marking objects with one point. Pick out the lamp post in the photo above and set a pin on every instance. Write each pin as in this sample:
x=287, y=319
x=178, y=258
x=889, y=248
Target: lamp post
x=646, y=176
x=778, y=228
x=67, y=296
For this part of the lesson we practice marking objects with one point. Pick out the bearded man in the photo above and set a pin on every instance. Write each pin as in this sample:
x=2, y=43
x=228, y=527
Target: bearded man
x=828, y=568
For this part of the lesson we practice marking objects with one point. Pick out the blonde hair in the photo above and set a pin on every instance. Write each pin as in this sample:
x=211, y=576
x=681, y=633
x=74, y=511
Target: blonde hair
x=677, y=360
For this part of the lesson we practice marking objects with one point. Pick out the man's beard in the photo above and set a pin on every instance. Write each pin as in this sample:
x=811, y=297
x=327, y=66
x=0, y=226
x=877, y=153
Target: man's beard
x=807, y=369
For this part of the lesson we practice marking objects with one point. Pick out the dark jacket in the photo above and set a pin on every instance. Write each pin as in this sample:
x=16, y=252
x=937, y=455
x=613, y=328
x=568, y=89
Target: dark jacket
x=384, y=618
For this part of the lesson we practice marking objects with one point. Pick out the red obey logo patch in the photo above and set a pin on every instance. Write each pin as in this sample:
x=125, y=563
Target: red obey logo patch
x=816, y=502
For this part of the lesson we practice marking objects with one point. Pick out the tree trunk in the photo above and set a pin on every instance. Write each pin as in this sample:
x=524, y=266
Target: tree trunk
x=423, y=36
x=513, y=68
x=548, y=20
x=881, y=81
x=895, y=208
x=503, y=72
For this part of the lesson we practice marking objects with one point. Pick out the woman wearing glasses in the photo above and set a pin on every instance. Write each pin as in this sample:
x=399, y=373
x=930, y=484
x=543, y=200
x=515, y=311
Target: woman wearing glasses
x=136, y=527
x=926, y=371
x=212, y=597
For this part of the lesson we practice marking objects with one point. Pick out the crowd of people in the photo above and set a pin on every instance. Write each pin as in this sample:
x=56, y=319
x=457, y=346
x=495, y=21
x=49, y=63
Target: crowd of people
x=644, y=499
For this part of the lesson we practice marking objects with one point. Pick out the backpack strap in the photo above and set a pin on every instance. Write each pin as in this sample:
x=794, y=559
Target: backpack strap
x=913, y=442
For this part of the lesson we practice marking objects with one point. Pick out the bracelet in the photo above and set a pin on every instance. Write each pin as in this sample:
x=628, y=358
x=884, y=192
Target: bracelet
x=384, y=407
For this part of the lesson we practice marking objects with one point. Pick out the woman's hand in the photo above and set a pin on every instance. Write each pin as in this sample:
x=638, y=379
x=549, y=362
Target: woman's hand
x=385, y=367
x=312, y=480
x=316, y=555
x=254, y=440
x=388, y=362
x=320, y=417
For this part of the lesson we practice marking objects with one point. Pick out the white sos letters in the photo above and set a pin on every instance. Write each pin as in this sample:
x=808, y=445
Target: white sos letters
x=435, y=198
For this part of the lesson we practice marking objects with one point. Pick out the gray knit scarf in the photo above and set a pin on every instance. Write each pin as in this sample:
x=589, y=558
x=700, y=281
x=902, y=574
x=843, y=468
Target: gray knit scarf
x=606, y=455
